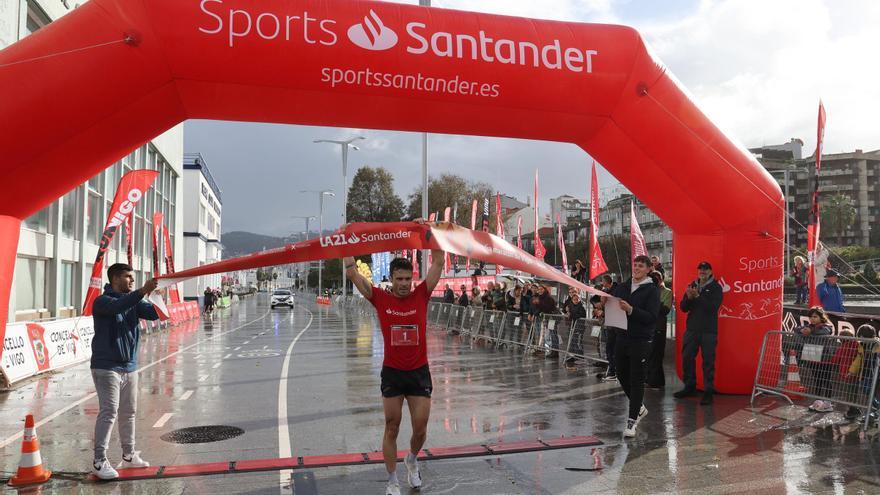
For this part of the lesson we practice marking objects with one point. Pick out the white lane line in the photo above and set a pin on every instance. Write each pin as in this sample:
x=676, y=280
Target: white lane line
x=217, y=364
x=246, y=342
x=237, y=348
x=203, y=377
x=68, y=407
x=265, y=347
x=186, y=395
x=198, y=356
x=164, y=419
x=227, y=356
x=286, y=476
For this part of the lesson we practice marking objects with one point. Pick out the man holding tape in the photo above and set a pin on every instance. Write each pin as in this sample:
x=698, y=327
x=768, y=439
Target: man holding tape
x=405, y=375
x=114, y=364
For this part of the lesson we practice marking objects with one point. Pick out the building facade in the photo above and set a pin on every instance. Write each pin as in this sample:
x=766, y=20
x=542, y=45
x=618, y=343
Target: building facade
x=201, y=223
x=58, y=244
x=614, y=219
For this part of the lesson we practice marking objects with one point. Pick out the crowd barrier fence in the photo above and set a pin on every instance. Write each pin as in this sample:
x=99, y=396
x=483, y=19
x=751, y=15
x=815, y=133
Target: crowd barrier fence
x=835, y=369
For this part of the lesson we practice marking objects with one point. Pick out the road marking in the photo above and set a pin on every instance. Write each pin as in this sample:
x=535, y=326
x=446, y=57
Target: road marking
x=164, y=419
x=203, y=377
x=246, y=342
x=198, y=356
x=186, y=395
x=265, y=347
x=237, y=348
x=286, y=475
x=227, y=356
x=68, y=407
x=217, y=364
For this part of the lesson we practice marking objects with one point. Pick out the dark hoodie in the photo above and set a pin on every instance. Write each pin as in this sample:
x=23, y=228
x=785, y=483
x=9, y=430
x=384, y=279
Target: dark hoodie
x=117, y=330
x=645, y=301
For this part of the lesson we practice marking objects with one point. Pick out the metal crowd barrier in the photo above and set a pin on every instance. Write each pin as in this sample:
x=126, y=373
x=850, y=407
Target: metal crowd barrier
x=490, y=323
x=586, y=341
x=836, y=369
x=545, y=334
x=433, y=309
x=453, y=325
x=470, y=320
x=514, y=329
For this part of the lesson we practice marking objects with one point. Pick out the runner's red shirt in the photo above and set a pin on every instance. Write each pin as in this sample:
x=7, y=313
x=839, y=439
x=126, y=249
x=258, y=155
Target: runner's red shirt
x=403, y=322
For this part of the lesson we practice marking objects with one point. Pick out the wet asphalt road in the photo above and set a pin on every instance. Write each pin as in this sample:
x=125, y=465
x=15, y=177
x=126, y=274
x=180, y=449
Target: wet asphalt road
x=228, y=370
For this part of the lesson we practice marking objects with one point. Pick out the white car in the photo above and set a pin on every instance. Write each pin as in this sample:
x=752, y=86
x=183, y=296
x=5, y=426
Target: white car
x=282, y=297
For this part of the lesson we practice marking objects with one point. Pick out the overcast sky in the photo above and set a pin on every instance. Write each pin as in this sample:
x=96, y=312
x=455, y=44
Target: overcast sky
x=756, y=67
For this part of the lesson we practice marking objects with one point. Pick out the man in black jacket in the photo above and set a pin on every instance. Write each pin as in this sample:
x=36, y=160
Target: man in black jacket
x=448, y=295
x=701, y=302
x=640, y=300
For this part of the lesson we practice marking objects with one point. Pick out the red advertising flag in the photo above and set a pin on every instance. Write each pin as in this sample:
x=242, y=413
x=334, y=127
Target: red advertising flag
x=446, y=216
x=129, y=237
x=499, y=226
x=814, y=223
x=173, y=293
x=540, y=251
x=158, y=245
x=129, y=192
x=467, y=264
x=415, y=265
x=431, y=218
x=519, y=231
x=597, y=262
x=637, y=244
x=561, y=240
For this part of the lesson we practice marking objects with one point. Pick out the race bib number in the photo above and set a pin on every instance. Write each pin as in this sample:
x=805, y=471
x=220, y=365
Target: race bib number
x=404, y=335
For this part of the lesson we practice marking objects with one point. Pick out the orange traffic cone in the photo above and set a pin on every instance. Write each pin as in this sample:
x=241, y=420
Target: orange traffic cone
x=30, y=469
x=793, y=385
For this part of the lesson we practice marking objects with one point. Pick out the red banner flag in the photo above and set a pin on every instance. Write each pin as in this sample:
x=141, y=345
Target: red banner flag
x=467, y=264
x=415, y=264
x=431, y=218
x=129, y=192
x=158, y=245
x=561, y=240
x=540, y=251
x=173, y=293
x=446, y=216
x=499, y=226
x=597, y=262
x=814, y=224
x=519, y=231
x=637, y=244
x=129, y=237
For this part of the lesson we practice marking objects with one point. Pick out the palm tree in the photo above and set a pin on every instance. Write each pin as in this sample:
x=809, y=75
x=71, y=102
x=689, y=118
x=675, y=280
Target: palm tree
x=839, y=213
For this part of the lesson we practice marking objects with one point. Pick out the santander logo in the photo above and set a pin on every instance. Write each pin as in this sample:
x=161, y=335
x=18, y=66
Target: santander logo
x=372, y=34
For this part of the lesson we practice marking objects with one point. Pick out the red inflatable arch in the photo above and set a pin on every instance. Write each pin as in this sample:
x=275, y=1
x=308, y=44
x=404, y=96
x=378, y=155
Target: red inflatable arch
x=391, y=66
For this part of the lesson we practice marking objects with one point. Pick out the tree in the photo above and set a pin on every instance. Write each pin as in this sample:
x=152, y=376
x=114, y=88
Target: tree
x=616, y=251
x=449, y=190
x=371, y=197
x=838, y=213
x=869, y=273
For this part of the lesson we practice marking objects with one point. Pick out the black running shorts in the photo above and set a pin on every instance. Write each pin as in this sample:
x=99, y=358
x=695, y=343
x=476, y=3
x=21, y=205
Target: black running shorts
x=415, y=382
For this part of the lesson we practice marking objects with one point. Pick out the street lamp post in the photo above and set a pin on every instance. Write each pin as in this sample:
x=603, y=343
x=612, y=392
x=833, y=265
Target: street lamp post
x=320, y=194
x=345, y=146
x=307, y=218
x=786, y=174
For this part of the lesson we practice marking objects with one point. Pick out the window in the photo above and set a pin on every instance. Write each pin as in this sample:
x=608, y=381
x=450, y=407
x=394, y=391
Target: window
x=36, y=19
x=70, y=206
x=93, y=219
x=30, y=284
x=39, y=221
x=202, y=215
x=66, y=296
x=96, y=183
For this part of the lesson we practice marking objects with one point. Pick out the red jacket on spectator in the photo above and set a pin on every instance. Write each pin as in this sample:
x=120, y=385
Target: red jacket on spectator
x=843, y=357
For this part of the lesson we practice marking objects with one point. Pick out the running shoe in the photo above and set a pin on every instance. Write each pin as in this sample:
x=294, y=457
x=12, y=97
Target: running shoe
x=103, y=470
x=630, y=430
x=610, y=378
x=392, y=488
x=133, y=461
x=412, y=468
x=642, y=413
x=825, y=407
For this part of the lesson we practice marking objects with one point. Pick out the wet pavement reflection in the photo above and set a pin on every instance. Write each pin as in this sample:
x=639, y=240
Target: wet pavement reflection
x=226, y=371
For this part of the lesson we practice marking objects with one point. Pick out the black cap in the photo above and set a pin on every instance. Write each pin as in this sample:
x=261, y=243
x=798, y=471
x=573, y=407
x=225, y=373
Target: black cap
x=704, y=265
x=831, y=273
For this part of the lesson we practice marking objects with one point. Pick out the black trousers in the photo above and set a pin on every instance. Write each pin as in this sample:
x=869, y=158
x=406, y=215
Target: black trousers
x=655, y=376
x=630, y=359
x=610, y=345
x=704, y=343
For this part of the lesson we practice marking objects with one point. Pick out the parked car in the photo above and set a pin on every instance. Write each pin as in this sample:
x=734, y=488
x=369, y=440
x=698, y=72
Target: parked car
x=282, y=297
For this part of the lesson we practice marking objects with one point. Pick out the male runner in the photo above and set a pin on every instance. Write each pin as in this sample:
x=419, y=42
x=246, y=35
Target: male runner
x=405, y=375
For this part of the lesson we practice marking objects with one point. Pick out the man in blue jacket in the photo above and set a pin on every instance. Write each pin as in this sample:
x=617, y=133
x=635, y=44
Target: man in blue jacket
x=701, y=302
x=829, y=293
x=640, y=300
x=114, y=364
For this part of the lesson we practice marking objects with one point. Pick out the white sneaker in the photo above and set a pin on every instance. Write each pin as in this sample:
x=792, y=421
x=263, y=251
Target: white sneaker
x=392, y=488
x=134, y=462
x=103, y=470
x=816, y=405
x=412, y=468
x=630, y=430
x=642, y=413
x=825, y=406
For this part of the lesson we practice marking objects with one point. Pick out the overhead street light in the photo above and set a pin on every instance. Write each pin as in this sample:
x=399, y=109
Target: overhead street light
x=345, y=145
x=321, y=194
